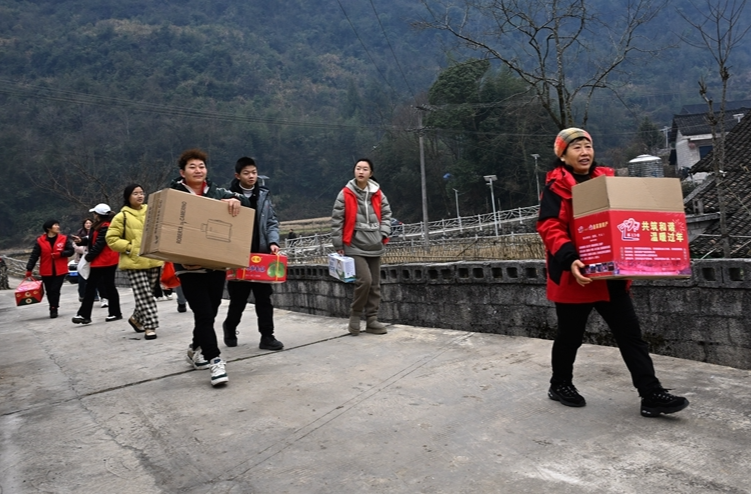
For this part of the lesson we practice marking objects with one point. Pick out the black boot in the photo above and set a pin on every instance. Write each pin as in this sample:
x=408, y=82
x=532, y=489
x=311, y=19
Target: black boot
x=268, y=342
x=53, y=312
x=230, y=335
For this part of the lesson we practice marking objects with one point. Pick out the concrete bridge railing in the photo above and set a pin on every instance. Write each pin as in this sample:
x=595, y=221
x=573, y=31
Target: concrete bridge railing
x=704, y=318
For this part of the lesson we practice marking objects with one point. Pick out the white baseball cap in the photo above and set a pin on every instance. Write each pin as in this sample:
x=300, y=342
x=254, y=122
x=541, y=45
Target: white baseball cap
x=101, y=208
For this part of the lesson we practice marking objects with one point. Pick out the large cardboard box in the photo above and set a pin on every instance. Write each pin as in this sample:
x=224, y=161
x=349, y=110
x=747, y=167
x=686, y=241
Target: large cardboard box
x=342, y=268
x=189, y=229
x=261, y=268
x=631, y=227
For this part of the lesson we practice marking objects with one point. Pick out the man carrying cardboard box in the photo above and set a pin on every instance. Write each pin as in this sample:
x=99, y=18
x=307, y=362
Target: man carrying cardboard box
x=265, y=241
x=203, y=287
x=575, y=295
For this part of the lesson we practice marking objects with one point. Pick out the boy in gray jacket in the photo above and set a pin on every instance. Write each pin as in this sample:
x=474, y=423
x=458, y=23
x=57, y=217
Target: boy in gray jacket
x=265, y=241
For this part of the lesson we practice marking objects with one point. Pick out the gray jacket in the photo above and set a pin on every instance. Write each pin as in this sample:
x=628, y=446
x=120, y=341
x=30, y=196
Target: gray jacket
x=369, y=233
x=268, y=225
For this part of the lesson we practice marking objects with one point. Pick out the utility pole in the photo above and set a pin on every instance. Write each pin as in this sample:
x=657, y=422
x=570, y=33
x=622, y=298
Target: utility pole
x=665, y=131
x=537, y=176
x=423, y=184
x=489, y=179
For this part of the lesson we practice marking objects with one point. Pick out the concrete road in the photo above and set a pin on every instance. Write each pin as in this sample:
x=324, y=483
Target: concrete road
x=97, y=409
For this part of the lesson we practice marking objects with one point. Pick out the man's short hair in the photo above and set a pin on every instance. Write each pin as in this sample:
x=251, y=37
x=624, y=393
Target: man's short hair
x=243, y=162
x=191, y=154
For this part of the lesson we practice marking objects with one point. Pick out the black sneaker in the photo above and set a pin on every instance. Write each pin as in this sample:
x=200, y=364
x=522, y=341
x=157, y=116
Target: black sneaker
x=230, y=335
x=567, y=394
x=81, y=320
x=113, y=318
x=660, y=401
x=270, y=343
x=181, y=308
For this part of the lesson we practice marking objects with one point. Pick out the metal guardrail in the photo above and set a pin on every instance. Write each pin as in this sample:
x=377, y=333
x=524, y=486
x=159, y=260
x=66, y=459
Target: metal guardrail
x=313, y=246
x=404, y=236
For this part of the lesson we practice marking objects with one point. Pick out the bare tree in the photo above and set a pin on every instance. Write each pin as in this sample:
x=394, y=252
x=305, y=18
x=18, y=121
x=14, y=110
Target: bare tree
x=82, y=185
x=540, y=41
x=719, y=27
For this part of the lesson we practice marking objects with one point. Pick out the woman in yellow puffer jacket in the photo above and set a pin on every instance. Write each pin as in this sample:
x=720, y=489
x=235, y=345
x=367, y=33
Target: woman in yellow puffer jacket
x=124, y=236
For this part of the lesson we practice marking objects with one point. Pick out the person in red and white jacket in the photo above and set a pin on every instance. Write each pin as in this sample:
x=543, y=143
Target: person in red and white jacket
x=52, y=250
x=103, y=265
x=575, y=295
x=360, y=228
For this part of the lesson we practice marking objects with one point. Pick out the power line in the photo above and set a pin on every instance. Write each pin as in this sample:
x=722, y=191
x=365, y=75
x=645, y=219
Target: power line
x=366, y=49
x=73, y=97
x=409, y=86
x=66, y=96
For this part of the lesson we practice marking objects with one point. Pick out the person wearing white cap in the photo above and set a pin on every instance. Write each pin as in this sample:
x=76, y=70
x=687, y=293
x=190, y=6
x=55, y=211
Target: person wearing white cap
x=103, y=262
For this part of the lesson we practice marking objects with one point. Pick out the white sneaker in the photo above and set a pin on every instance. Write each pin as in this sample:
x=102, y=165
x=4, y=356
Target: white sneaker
x=104, y=303
x=168, y=296
x=218, y=372
x=195, y=357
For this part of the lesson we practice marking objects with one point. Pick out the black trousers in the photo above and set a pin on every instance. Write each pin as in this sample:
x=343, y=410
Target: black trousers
x=104, y=279
x=621, y=318
x=52, y=287
x=204, y=291
x=239, y=291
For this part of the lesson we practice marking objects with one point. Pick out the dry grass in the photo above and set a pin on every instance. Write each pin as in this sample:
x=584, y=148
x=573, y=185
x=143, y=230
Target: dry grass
x=510, y=247
x=306, y=227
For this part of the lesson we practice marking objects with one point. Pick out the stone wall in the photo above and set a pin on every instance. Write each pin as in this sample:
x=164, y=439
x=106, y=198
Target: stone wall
x=702, y=318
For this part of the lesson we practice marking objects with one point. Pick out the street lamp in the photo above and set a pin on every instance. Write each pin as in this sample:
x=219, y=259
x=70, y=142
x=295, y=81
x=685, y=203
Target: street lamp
x=458, y=217
x=537, y=176
x=263, y=179
x=489, y=179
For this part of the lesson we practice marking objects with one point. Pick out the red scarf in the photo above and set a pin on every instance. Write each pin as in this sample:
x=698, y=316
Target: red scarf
x=350, y=213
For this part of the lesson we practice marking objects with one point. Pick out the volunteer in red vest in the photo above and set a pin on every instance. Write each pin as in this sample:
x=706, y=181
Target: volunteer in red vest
x=361, y=225
x=52, y=250
x=575, y=295
x=103, y=265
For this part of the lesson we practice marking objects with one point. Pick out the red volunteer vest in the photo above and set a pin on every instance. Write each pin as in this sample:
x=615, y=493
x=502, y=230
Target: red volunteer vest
x=107, y=257
x=350, y=213
x=45, y=259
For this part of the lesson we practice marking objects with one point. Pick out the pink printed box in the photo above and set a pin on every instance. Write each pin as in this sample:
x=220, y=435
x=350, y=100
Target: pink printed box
x=631, y=227
x=262, y=268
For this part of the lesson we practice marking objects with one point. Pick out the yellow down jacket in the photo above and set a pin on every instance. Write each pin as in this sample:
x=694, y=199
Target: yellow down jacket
x=129, y=244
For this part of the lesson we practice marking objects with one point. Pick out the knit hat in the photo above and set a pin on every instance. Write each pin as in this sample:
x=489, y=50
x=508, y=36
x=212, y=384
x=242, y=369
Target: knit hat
x=49, y=224
x=566, y=137
x=101, y=209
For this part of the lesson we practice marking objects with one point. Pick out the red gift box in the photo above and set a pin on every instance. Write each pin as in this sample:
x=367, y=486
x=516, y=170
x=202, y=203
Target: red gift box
x=262, y=268
x=631, y=227
x=634, y=244
x=29, y=292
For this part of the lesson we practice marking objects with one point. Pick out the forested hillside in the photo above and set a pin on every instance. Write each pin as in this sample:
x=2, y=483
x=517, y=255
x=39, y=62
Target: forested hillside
x=98, y=94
